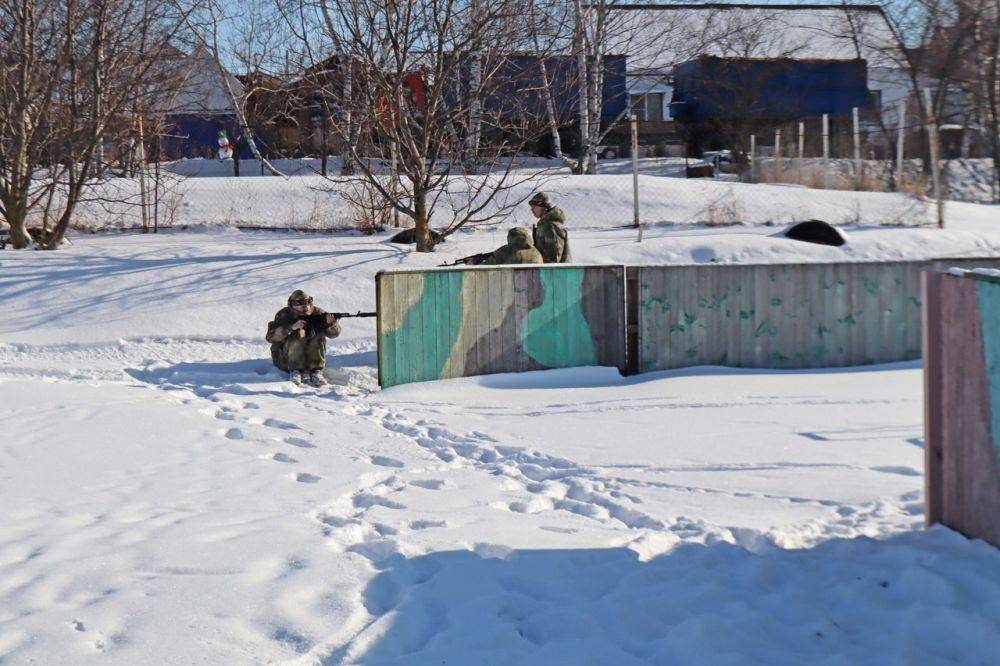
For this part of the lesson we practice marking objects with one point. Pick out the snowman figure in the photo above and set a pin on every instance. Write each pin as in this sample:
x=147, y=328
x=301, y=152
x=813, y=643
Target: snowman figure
x=225, y=150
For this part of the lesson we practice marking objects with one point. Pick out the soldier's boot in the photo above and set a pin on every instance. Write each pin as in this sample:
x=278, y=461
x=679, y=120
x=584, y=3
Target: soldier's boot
x=317, y=379
x=296, y=377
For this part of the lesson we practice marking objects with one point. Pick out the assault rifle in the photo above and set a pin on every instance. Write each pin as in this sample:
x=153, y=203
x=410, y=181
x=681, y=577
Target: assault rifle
x=471, y=260
x=316, y=323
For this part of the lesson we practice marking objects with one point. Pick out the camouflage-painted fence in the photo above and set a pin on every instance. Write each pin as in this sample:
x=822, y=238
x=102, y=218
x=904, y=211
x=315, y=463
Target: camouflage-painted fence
x=962, y=403
x=455, y=322
x=442, y=323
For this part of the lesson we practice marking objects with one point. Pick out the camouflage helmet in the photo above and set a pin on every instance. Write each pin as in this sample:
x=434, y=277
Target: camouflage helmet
x=540, y=199
x=519, y=237
x=299, y=296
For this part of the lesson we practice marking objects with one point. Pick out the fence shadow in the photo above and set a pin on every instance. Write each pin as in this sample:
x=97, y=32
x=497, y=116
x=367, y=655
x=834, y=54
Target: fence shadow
x=856, y=599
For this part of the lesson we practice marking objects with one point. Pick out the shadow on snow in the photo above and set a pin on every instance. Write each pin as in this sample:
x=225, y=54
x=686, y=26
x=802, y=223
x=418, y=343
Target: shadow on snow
x=915, y=597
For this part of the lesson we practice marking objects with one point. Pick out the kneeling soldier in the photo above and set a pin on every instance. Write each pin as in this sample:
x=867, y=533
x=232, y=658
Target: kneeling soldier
x=518, y=250
x=297, y=348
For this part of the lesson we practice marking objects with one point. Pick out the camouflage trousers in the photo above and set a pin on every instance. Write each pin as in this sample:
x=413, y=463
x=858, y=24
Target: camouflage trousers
x=295, y=353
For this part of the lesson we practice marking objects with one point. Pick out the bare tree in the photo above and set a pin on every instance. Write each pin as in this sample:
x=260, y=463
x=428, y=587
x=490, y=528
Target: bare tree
x=206, y=21
x=69, y=84
x=436, y=105
x=653, y=40
x=982, y=86
x=33, y=42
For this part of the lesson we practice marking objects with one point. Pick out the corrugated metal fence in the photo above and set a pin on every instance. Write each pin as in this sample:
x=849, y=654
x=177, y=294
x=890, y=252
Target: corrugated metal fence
x=962, y=404
x=776, y=315
x=442, y=323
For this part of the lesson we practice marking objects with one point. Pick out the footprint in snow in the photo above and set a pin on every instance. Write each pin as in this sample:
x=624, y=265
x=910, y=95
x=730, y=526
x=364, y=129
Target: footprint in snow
x=234, y=433
x=367, y=501
x=299, y=442
x=428, y=484
x=384, y=461
x=293, y=640
x=427, y=524
x=559, y=530
x=303, y=477
x=280, y=425
x=283, y=457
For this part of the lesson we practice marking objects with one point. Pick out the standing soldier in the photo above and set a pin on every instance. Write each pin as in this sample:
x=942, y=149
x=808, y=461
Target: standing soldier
x=295, y=348
x=549, y=233
x=518, y=250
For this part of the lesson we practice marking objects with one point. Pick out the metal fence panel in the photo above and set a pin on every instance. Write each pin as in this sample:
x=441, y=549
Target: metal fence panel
x=444, y=323
x=777, y=315
x=962, y=428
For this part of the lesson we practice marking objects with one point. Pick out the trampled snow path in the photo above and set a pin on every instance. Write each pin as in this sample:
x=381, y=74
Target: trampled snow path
x=425, y=508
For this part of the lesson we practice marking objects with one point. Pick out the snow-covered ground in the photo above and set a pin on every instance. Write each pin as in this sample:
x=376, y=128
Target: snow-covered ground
x=967, y=179
x=168, y=498
x=201, y=193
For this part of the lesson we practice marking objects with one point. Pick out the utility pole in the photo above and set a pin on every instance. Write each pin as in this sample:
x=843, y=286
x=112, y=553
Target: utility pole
x=900, y=134
x=826, y=151
x=634, y=126
x=932, y=136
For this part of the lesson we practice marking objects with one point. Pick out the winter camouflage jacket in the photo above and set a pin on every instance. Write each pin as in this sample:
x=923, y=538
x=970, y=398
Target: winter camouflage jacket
x=296, y=350
x=551, y=238
x=518, y=250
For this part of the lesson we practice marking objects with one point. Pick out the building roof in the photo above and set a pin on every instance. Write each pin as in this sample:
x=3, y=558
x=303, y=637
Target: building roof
x=200, y=89
x=657, y=37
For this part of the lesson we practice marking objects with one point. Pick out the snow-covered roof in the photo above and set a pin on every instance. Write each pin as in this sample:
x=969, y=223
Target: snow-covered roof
x=657, y=37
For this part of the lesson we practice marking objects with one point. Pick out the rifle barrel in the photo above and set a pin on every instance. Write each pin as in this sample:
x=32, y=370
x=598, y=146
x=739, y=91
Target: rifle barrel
x=359, y=313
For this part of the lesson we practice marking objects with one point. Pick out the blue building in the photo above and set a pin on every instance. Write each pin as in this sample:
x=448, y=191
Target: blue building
x=766, y=90
x=664, y=40
x=517, y=91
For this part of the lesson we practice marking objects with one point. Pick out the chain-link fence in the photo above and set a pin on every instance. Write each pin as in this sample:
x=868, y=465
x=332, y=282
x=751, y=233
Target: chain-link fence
x=784, y=179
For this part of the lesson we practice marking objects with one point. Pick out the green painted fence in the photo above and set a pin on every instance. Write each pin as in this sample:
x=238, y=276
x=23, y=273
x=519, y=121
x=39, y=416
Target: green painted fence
x=777, y=315
x=443, y=323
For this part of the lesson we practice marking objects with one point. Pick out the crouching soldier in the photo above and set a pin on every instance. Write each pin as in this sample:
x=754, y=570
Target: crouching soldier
x=299, y=348
x=518, y=250
x=549, y=233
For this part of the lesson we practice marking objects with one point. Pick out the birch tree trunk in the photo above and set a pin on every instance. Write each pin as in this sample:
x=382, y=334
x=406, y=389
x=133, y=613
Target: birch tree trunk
x=583, y=83
x=346, y=163
x=475, y=110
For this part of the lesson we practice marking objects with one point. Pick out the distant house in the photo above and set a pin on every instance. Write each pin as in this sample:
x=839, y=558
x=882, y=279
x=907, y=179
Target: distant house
x=519, y=90
x=290, y=118
x=659, y=38
x=199, y=107
x=297, y=116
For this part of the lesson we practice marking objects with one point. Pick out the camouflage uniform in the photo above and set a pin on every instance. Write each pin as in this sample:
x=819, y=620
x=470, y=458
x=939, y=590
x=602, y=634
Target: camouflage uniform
x=549, y=232
x=297, y=350
x=518, y=250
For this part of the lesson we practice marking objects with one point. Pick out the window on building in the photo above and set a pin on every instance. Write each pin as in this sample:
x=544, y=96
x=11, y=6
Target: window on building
x=648, y=106
x=638, y=105
x=875, y=102
x=654, y=106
